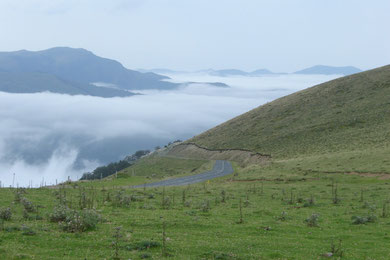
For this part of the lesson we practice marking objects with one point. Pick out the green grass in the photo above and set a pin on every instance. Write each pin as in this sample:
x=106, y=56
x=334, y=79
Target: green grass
x=343, y=115
x=150, y=169
x=317, y=138
x=160, y=167
x=194, y=232
x=373, y=162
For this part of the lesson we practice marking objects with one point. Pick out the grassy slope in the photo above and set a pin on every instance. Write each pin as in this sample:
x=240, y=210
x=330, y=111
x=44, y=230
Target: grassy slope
x=153, y=168
x=343, y=115
x=160, y=167
x=196, y=233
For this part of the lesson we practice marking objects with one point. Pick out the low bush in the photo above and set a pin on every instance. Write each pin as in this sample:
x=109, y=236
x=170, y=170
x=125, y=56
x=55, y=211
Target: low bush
x=59, y=214
x=145, y=256
x=205, y=206
x=143, y=245
x=5, y=213
x=358, y=220
x=11, y=228
x=122, y=200
x=283, y=216
x=80, y=221
x=312, y=221
x=19, y=194
x=28, y=205
x=309, y=202
x=27, y=231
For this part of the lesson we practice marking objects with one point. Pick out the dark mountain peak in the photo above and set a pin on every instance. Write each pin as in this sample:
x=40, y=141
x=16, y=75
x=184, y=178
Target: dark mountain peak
x=80, y=66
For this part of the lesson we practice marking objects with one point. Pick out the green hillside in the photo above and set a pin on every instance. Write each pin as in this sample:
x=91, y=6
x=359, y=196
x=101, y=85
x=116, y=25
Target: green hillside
x=348, y=114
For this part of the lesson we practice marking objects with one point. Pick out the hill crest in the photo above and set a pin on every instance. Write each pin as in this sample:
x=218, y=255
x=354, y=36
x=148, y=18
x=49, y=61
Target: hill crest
x=344, y=114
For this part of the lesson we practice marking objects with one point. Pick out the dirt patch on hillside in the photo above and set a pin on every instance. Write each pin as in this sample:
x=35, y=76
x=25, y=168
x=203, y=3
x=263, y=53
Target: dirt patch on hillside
x=243, y=157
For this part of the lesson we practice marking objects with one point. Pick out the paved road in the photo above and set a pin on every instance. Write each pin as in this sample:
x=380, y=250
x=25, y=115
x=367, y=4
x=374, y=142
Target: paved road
x=221, y=168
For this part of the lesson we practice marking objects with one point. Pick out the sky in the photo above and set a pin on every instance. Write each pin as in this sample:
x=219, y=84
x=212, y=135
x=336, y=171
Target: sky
x=44, y=135
x=281, y=35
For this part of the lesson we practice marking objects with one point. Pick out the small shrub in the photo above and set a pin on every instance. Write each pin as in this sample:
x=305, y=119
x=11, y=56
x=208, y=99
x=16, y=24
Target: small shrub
x=59, y=214
x=18, y=197
x=309, y=202
x=312, y=221
x=126, y=201
x=27, y=231
x=359, y=220
x=5, y=213
x=205, y=206
x=12, y=228
x=218, y=255
x=283, y=216
x=136, y=198
x=122, y=200
x=26, y=215
x=143, y=245
x=336, y=250
x=28, y=205
x=191, y=213
x=371, y=207
x=187, y=204
x=145, y=256
x=147, y=206
x=80, y=221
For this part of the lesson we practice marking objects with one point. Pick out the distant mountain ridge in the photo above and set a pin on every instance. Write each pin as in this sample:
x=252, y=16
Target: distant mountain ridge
x=329, y=70
x=317, y=69
x=236, y=72
x=64, y=69
x=35, y=82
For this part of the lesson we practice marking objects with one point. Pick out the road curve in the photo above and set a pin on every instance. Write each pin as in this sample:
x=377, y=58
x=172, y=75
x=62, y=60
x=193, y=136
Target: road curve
x=221, y=168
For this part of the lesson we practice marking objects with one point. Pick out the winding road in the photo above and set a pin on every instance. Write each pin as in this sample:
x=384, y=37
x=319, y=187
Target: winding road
x=221, y=168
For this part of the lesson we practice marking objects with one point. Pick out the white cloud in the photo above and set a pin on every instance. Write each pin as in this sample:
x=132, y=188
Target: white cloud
x=58, y=127
x=58, y=168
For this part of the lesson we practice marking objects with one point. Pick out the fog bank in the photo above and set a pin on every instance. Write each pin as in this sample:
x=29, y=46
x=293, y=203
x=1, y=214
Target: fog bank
x=49, y=136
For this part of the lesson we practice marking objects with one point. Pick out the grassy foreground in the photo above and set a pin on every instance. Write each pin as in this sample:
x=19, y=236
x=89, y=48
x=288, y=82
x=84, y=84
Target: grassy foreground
x=291, y=215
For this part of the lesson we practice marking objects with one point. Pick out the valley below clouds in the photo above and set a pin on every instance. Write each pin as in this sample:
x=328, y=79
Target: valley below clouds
x=46, y=137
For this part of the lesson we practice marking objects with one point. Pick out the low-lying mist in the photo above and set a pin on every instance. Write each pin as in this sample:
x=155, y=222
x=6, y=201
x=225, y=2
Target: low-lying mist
x=46, y=137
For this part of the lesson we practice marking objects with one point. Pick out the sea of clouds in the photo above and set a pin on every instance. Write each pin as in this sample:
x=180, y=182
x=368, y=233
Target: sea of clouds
x=46, y=137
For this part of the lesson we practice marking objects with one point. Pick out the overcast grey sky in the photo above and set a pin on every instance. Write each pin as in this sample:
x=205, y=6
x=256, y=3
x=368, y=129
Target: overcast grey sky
x=282, y=35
